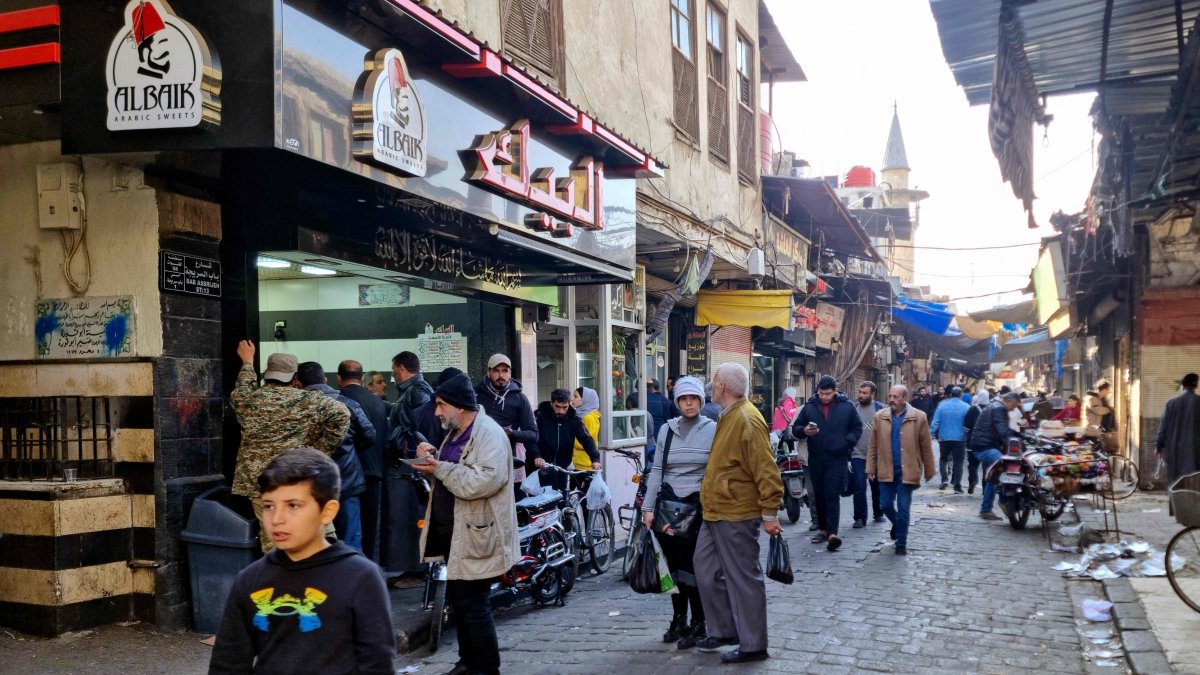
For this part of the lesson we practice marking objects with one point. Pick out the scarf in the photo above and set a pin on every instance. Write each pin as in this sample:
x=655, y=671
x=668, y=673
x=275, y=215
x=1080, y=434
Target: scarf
x=591, y=401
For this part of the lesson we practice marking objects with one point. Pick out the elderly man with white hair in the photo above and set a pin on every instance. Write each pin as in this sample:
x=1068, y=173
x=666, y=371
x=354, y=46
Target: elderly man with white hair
x=741, y=489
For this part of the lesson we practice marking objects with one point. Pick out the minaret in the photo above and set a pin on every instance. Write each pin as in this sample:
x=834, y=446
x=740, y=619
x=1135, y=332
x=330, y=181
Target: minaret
x=898, y=195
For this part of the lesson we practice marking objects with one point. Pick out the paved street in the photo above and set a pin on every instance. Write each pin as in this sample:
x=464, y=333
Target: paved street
x=971, y=596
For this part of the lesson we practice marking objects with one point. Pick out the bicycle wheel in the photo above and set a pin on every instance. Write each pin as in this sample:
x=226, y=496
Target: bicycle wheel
x=1183, y=566
x=600, y=535
x=627, y=559
x=440, y=615
x=1124, y=476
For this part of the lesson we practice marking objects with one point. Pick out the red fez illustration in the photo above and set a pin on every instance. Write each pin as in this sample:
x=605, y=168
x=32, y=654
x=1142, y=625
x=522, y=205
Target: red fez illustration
x=146, y=22
x=396, y=73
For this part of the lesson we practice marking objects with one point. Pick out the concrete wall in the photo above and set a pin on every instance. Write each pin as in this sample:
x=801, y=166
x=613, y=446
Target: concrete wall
x=1174, y=252
x=122, y=239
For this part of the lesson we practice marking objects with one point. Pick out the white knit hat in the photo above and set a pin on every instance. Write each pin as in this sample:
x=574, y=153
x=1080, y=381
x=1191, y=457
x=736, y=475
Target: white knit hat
x=689, y=386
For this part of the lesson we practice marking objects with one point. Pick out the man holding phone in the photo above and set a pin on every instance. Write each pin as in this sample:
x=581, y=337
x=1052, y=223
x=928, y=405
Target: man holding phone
x=830, y=423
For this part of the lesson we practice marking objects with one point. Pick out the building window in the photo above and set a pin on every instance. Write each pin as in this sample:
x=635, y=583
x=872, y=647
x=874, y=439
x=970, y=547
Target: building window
x=718, y=93
x=746, y=127
x=533, y=35
x=683, y=69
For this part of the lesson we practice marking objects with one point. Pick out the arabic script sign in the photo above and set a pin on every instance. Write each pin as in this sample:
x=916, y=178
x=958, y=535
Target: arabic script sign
x=421, y=254
x=829, y=324
x=160, y=72
x=389, y=117
x=190, y=274
x=78, y=328
x=499, y=163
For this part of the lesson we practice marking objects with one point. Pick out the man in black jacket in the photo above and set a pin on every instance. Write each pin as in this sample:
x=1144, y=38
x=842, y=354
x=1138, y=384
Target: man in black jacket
x=832, y=426
x=558, y=428
x=990, y=434
x=350, y=379
x=359, y=438
x=504, y=402
x=399, y=545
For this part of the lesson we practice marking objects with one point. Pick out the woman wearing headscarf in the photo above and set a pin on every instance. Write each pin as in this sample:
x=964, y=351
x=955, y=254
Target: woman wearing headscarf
x=587, y=405
x=684, y=443
x=785, y=412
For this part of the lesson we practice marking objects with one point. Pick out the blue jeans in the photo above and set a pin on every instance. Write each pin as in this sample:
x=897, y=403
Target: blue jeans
x=348, y=523
x=896, y=498
x=986, y=459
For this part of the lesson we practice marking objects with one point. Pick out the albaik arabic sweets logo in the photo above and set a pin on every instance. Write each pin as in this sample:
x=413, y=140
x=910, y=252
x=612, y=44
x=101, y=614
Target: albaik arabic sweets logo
x=160, y=71
x=389, y=117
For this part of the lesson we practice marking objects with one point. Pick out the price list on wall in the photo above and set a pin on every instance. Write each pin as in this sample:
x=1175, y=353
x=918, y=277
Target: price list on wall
x=439, y=351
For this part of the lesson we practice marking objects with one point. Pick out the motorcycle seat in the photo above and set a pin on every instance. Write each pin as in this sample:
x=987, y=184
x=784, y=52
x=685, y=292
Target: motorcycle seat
x=537, y=501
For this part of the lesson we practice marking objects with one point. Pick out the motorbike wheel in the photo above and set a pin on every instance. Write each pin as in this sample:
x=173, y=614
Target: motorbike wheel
x=546, y=589
x=569, y=536
x=440, y=616
x=1018, y=515
x=792, y=505
x=1052, y=508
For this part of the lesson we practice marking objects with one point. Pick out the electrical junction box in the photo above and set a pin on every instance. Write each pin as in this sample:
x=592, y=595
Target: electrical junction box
x=60, y=204
x=756, y=263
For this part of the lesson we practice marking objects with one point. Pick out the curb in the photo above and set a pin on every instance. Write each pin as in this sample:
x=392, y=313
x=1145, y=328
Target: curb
x=1143, y=651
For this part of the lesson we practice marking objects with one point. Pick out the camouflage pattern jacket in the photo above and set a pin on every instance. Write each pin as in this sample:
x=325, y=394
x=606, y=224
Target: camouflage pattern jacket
x=275, y=419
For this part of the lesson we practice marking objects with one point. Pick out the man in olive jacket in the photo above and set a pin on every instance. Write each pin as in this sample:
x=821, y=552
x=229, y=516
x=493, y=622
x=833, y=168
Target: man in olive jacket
x=741, y=488
x=472, y=518
x=899, y=454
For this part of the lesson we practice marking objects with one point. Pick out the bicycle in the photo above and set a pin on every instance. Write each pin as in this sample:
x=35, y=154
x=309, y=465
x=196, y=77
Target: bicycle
x=633, y=521
x=595, y=537
x=1182, y=558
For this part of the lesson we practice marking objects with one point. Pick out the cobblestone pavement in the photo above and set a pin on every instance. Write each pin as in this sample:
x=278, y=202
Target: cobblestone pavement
x=971, y=596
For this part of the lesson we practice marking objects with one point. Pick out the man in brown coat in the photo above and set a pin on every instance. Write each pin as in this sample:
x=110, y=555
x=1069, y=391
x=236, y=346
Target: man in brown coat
x=899, y=454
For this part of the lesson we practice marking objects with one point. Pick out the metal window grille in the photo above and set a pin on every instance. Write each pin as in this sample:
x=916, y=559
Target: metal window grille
x=42, y=437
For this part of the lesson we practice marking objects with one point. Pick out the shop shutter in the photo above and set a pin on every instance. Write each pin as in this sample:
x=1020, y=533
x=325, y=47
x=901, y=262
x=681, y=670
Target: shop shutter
x=687, y=114
x=531, y=33
x=729, y=344
x=718, y=121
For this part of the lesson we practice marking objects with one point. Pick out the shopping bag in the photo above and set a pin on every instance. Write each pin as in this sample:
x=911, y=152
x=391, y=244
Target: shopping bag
x=779, y=561
x=598, y=494
x=532, y=485
x=848, y=488
x=648, y=572
x=666, y=583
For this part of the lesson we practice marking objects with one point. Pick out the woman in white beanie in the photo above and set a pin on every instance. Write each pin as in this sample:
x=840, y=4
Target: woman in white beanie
x=683, y=446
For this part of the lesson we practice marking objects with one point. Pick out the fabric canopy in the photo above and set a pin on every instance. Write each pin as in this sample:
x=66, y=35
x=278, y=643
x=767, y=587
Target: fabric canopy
x=977, y=330
x=1028, y=346
x=1022, y=312
x=927, y=316
x=767, y=309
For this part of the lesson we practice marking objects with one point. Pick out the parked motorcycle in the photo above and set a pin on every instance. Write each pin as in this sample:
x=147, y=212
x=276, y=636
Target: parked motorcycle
x=548, y=565
x=795, y=494
x=1019, y=487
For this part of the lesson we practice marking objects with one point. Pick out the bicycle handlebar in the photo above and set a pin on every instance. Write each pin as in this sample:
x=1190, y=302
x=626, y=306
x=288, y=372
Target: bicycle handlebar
x=569, y=472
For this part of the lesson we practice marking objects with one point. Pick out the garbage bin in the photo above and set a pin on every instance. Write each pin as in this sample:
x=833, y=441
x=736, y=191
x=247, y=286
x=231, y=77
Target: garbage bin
x=222, y=539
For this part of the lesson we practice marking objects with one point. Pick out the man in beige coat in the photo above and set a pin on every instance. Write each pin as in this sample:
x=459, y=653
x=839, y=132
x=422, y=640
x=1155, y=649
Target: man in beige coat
x=471, y=519
x=899, y=454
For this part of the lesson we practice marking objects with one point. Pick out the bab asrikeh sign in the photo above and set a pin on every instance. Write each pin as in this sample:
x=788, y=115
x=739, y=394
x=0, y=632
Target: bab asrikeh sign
x=160, y=72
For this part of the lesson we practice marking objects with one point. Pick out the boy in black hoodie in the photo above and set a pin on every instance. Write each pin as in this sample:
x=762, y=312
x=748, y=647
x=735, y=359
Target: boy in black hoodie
x=310, y=605
x=559, y=426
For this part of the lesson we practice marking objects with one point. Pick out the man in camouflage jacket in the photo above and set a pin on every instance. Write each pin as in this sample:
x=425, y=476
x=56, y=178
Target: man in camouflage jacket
x=278, y=417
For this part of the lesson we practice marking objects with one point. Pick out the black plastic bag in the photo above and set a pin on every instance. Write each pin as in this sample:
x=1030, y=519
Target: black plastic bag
x=645, y=574
x=849, y=489
x=779, y=561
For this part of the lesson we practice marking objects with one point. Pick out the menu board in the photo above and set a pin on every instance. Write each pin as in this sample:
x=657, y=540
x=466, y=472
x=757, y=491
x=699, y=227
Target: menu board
x=441, y=350
x=189, y=274
x=697, y=351
x=80, y=328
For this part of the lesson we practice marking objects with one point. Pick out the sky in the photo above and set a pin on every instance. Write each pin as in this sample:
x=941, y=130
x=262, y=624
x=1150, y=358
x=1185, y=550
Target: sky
x=863, y=56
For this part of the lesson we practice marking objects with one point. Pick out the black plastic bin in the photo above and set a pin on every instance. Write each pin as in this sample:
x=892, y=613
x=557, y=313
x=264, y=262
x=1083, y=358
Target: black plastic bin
x=222, y=539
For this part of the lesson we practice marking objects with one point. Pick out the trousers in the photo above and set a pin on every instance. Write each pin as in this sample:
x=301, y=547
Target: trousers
x=829, y=479
x=953, y=453
x=897, y=505
x=860, y=491
x=730, y=578
x=471, y=606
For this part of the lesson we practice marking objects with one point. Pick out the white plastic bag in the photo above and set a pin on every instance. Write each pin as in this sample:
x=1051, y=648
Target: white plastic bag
x=532, y=485
x=598, y=494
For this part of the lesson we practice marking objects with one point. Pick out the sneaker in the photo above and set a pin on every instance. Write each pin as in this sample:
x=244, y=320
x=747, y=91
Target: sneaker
x=710, y=644
x=988, y=515
x=694, y=634
x=677, y=629
x=958, y=491
x=943, y=486
x=879, y=519
x=813, y=527
x=739, y=656
x=970, y=489
x=901, y=550
x=858, y=523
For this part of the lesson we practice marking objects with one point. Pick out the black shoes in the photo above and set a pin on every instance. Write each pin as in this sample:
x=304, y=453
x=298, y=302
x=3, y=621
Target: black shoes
x=958, y=491
x=835, y=542
x=858, y=524
x=694, y=634
x=944, y=485
x=739, y=656
x=814, y=527
x=880, y=519
x=677, y=630
x=901, y=550
x=892, y=534
x=709, y=644
x=970, y=489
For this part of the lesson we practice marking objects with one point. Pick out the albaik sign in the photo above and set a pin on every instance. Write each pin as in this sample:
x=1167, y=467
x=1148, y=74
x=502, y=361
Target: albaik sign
x=389, y=117
x=160, y=71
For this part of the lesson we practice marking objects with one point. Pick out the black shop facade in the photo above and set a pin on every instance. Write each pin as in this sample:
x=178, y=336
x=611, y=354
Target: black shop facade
x=348, y=185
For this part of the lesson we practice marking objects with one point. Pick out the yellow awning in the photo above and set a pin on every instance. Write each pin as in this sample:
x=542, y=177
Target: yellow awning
x=977, y=330
x=768, y=309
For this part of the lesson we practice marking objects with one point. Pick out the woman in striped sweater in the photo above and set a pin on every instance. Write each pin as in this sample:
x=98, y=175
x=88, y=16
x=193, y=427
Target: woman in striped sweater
x=689, y=439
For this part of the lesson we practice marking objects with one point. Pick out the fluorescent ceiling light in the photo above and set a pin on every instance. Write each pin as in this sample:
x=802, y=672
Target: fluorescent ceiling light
x=316, y=271
x=272, y=263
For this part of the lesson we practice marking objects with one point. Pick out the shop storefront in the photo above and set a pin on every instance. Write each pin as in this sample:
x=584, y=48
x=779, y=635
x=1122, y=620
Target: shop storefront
x=335, y=184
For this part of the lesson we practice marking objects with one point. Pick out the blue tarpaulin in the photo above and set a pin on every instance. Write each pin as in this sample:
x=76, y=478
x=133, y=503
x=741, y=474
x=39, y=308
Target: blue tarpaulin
x=928, y=316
